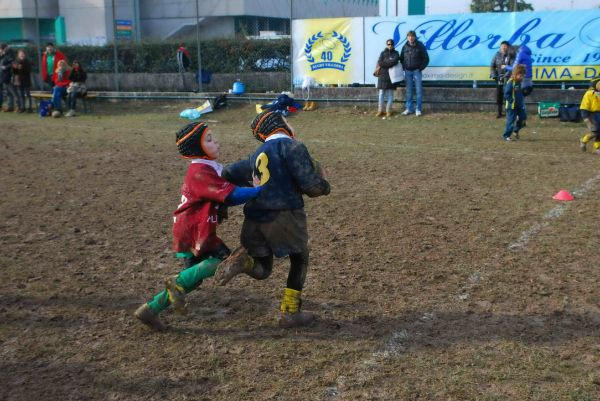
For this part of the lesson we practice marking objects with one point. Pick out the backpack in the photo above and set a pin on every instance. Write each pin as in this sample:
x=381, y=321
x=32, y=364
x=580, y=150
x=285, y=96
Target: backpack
x=569, y=113
x=220, y=101
x=45, y=108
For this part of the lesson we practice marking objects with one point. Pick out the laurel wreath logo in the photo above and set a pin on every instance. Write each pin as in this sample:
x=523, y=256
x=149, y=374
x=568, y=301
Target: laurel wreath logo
x=344, y=41
x=319, y=35
x=309, y=44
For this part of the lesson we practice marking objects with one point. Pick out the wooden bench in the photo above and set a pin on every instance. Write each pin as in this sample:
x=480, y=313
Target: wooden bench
x=85, y=100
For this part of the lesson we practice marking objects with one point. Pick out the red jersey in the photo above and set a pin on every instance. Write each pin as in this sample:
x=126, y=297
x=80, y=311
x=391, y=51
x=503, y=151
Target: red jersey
x=195, y=220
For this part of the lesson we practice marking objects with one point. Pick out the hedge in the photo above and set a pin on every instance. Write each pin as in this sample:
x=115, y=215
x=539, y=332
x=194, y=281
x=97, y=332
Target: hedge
x=218, y=55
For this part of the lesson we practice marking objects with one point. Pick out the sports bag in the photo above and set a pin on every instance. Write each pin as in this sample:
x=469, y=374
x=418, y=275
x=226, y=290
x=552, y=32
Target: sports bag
x=569, y=113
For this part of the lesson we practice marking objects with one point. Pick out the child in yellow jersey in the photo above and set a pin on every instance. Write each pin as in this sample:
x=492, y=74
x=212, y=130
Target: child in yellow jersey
x=590, y=111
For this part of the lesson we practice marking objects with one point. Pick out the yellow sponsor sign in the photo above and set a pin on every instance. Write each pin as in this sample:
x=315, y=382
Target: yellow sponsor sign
x=329, y=51
x=539, y=73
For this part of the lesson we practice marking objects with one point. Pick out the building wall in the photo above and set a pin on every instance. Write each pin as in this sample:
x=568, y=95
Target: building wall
x=160, y=19
x=26, y=8
x=176, y=28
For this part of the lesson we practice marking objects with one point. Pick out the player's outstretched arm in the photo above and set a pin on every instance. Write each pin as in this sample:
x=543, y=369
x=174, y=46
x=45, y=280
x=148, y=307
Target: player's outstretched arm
x=239, y=173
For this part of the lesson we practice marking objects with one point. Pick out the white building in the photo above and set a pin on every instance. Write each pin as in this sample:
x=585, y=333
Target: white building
x=91, y=21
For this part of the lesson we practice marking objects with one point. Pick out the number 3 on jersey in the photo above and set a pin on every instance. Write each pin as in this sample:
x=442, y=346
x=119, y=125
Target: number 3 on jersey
x=261, y=170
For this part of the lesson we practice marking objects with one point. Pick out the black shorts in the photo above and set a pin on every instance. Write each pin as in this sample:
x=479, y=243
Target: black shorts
x=285, y=235
x=595, y=119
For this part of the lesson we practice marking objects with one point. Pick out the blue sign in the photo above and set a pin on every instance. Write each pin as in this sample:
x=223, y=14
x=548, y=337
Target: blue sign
x=555, y=38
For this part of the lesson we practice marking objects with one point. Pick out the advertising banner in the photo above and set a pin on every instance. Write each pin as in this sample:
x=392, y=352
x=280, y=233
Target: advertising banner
x=329, y=50
x=565, y=45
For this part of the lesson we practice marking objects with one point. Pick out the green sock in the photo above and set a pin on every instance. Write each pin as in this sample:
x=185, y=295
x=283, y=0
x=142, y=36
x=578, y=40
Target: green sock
x=189, y=279
x=192, y=277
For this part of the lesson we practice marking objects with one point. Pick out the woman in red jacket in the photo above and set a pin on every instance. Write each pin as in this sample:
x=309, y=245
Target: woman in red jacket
x=61, y=81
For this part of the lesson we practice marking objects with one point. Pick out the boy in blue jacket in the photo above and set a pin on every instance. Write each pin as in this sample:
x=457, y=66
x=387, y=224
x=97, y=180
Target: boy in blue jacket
x=274, y=221
x=515, y=104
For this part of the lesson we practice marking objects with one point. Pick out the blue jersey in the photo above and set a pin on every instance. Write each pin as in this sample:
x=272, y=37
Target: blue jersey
x=285, y=170
x=513, y=95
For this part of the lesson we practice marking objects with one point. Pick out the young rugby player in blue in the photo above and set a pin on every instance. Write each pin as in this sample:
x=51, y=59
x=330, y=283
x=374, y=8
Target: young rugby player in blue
x=275, y=221
x=516, y=114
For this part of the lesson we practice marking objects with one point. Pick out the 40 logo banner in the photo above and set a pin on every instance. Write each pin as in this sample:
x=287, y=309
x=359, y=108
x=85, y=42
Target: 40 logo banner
x=329, y=50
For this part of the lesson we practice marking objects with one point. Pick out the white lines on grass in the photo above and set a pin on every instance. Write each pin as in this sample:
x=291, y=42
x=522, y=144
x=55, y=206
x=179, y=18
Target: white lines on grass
x=397, y=344
x=553, y=214
x=367, y=370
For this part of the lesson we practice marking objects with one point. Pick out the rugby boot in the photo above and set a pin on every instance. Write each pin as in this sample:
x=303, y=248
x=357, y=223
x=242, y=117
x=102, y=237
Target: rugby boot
x=291, y=316
x=289, y=320
x=176, y=295
x=145, y=315
x=379, y=114
x=238, y=262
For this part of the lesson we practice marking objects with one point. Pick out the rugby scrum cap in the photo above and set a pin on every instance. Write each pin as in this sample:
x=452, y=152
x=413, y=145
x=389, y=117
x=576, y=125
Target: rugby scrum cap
x=189, y=140
x=267, y=123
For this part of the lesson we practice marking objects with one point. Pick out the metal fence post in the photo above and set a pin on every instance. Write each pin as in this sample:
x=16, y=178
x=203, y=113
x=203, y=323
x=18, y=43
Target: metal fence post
x=38, y=45
x=116, y=56
x=199, y=79
x=291, y=47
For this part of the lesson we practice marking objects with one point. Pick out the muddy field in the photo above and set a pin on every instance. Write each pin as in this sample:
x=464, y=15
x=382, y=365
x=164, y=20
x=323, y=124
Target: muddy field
x=441, y=268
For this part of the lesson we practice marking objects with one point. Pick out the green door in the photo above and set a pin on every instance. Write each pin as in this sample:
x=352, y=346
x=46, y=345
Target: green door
x=416, y=7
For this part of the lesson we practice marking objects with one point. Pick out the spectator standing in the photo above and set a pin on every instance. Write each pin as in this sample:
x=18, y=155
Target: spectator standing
x=388, y=58
x=414, y=59
x=183, y=63
x=524, y=58
x=22, y=81
x=61, y=81
x=50, y=59
x=76, y=88
x=503, y=58
x=6, y=66
x=183, y=57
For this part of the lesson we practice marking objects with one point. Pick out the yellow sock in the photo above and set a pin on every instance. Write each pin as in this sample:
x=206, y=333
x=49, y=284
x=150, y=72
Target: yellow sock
x=587, y=137
x=291, y=300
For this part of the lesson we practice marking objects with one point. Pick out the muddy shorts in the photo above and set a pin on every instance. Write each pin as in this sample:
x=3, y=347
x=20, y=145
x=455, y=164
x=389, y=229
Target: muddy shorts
x=286, y=234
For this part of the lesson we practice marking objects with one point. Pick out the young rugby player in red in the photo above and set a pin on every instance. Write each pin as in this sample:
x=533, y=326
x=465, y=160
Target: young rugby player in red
x=274, y=221
x=195, y=239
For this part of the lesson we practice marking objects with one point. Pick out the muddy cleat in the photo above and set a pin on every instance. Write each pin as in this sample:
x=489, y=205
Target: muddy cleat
x=176, y=295
x=289, y=320
x=145, y=315
x=238, y=262
x=379, y=114
x=291, y=316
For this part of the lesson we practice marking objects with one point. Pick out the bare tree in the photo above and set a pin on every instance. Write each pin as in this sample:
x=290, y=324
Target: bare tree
x=499, y=6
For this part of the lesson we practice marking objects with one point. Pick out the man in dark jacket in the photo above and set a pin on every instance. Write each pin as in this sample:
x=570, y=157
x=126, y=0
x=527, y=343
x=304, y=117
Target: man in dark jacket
x=414, y=59
x=502, y=59
x=6, y=66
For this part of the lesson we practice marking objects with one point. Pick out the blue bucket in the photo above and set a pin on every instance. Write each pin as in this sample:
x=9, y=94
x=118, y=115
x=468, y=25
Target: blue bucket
x=238, y=88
